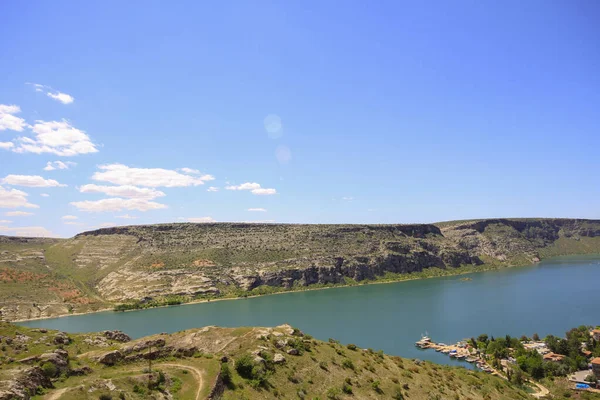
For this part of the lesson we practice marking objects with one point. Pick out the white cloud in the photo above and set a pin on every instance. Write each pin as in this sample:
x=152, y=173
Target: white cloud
x=201, y=220
x=264, y=192
x=13, y=198
x=6, y=145
x=69, y=217
x=107, y=224
x=253, y=187
x=348, y=198
x=212, y=189
x=74, y=223
x=52, y=165
x=117, y=204
x=31, y=181
x=62, y=97
x=56, y=137
x=257, y=209
x=189, y=170
x=129, y=191
x=54, y=94
x=8, y=120
x=120, y=174
x=18, y=214
x=44, y=195
x=126, y=216
x=5, y=221
x=29, y=231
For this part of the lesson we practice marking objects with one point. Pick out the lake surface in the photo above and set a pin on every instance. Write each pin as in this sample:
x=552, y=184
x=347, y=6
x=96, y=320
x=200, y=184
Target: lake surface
x=548, y=298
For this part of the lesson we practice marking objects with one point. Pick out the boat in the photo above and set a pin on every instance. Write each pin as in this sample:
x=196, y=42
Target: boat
x=425, y=341
x=470, y=359
x=460, y=357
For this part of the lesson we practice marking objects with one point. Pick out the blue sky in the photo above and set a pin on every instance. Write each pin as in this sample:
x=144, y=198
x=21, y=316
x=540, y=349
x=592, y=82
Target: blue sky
x=385, y=112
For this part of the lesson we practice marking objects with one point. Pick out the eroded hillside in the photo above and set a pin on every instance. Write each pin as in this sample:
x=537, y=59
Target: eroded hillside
x=193, y=261
x=227, y=363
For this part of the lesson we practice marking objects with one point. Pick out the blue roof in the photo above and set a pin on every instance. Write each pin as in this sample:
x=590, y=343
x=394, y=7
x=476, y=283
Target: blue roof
x=582, y=386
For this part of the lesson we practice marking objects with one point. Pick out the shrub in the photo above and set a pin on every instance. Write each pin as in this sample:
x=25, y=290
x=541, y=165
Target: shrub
x=346, y=388
x=105, y=397
x=347, y=363
x=398, y=394
x=226, y=374
x=49, y=369
x=323, y=365
x=376, y=385
x=333, y=393
x=244, y=366
x=351, y=346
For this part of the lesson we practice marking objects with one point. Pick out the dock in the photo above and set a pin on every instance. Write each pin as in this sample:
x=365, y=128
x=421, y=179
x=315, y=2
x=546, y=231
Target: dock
x=460, y=351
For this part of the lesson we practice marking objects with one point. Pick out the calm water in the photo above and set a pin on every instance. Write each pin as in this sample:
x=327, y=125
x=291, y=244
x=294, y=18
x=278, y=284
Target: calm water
x=547, y=298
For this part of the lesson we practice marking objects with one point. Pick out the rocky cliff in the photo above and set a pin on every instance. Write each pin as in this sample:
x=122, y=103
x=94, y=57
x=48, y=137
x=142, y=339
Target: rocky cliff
x=140, y=263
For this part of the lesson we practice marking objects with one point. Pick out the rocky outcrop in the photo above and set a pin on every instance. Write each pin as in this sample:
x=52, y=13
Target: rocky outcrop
x=117, y=336
x=24, y=384
x=110, y=358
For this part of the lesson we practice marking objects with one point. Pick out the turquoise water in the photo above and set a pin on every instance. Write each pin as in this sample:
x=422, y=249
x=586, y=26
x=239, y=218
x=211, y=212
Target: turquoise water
x=550, y=297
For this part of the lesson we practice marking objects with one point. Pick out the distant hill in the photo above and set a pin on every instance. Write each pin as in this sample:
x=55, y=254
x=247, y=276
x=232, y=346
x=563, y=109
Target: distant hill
x=171, y=263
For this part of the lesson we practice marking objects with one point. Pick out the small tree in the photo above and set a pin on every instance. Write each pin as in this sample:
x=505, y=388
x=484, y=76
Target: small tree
x=536, y=337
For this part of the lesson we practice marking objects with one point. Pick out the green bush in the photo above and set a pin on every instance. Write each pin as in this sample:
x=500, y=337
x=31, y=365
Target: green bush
x=333, y=393
x=49, y=369
x=105, y=397
x=226, y=374
x=244, y=366
x=347, y=363
x=346, y=388
x=351, y=346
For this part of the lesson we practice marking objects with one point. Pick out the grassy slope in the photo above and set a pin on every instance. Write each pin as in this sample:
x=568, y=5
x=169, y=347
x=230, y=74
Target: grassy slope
x=320, y=369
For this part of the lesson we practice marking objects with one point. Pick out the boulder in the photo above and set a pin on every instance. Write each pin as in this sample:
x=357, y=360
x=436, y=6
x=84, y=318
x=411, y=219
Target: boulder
x=278, y=358
x=24, y=383
x=111, y=358
x=85, y=370
x=62, y=338
x=293, y=352
x=117, y=336
x=60, y=359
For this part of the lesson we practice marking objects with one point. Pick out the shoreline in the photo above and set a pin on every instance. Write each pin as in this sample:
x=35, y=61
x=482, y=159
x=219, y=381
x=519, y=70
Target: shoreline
x=405, y=278
x=307, y=289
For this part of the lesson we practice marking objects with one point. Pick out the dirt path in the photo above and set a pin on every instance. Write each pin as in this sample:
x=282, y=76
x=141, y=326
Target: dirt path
x=543, y=390
x=55, y=395
x=197, y=373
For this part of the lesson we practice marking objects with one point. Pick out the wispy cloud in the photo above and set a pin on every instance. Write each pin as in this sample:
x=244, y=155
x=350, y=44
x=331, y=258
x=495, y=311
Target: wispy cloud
x=28, y=231
x=253, y=187
x=120, y=174
x=18, y=214
x=257, y=209
x=52, y=93
x=126, y=216
x=62, y=97
x=129, y=191
x=52, y=165
x=31, y=181
x=69, y=217
x=117, y=204
x=212, y=189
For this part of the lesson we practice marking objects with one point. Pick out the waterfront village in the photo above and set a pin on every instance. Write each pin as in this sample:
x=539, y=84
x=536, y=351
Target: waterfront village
x=575, y=357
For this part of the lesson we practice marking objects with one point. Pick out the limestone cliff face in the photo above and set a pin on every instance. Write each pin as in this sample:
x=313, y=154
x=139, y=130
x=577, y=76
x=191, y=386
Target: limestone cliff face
x=119, y=264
